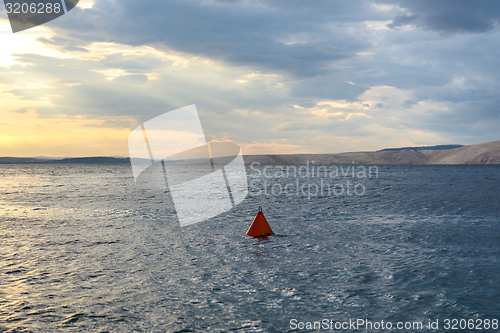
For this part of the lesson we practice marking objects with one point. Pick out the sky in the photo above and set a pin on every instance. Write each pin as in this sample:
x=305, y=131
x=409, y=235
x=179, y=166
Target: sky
x=275, y=76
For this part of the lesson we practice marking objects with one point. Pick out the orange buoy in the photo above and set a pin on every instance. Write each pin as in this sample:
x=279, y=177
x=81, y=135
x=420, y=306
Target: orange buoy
x=259, y=226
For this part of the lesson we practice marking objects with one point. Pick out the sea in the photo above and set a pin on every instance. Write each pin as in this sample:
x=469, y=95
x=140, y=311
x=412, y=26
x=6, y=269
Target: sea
x=388, y=248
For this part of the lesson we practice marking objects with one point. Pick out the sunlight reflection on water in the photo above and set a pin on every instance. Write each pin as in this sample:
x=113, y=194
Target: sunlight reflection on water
x=83, y=248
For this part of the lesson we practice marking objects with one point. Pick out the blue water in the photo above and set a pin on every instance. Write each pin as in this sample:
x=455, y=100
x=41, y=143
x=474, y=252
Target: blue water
x=85, y=249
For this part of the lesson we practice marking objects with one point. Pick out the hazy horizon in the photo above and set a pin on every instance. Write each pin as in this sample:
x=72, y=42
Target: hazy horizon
x=89, y=156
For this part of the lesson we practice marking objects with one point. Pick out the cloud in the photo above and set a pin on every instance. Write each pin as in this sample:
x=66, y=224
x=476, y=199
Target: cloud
x=246, y=33
x=22, y=110
x=450, y=16
x=401, y=20
x=365, y=74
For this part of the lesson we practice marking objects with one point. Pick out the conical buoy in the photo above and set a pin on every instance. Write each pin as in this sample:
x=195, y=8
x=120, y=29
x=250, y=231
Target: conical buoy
x=259, y=226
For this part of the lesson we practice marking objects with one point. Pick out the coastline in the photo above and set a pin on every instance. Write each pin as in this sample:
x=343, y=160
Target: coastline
x=483, y=153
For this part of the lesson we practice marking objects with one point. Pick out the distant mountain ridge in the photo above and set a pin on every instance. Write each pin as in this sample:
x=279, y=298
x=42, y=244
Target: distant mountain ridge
x=75, y=160
x=20, y=160
x=438, y=147
x=91, y=160
x=483, y=153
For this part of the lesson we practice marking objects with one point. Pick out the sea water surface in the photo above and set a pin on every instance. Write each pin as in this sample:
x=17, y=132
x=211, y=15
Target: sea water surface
x=83, y=248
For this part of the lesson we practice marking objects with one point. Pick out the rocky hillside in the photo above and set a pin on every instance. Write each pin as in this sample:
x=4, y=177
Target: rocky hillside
x=484, y=153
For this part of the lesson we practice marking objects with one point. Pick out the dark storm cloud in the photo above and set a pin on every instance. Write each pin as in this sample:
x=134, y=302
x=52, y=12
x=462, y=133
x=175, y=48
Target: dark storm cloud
x=451, y=16
x=293, y=37
x=249, y=33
